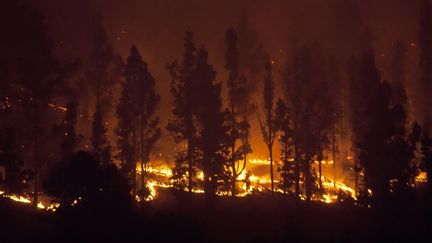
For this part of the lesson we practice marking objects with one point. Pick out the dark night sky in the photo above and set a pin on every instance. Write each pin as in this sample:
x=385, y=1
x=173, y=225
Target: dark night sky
x=156, y=27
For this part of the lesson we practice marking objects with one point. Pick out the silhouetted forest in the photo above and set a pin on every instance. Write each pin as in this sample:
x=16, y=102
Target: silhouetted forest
x=111, y=135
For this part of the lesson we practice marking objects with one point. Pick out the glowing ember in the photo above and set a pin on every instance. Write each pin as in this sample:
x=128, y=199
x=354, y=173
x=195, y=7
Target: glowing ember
x=421, y=177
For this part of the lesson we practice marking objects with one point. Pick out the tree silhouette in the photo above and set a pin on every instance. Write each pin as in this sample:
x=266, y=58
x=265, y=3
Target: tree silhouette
x=182, y=125
x=237, y=111
x=212, y=139
x=308, y=97
x=363, y=81
x=268, y=126
x=380, y=137
x=144, y=105
x=126, y=134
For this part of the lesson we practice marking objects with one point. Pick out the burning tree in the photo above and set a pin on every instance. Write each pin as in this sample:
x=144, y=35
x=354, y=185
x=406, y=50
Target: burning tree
x=237, y=111
x=183, y=125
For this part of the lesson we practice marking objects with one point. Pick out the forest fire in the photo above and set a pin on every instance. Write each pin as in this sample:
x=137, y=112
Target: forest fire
x=214, y=121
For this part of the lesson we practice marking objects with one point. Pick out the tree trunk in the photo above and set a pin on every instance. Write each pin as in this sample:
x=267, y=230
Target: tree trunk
x=36, y=132
x=134, y=172
x=334, y=158
x=270, y=148
x=35, y=189
x=307, y=176
x=297, y=173
x=285, y=166
x=320, y=174
x=142, y=155
x=356, y=179
x=189, y=161
x=233, y=143
x=36, y=172
x=234, y=177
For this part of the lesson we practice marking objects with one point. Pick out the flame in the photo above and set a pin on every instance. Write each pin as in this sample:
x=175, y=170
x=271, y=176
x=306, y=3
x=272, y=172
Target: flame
x=339, y=185
x=26, y=199
x=259, y=161
x=257, y=183
x=421, y=177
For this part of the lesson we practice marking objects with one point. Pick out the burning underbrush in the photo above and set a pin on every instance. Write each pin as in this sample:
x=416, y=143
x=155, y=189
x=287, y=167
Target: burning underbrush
x=252, y=182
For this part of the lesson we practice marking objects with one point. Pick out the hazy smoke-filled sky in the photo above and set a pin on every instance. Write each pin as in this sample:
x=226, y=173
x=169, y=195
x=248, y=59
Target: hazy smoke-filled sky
x=157, y=27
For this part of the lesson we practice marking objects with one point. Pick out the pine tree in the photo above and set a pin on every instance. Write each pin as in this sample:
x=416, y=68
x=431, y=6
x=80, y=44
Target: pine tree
x=379, y=134
x=364, y=79
x=268, y=125
x=183, y=124
x=144, y=104
x=308, y=97
x=212, y=140
x=238, y=103
x=126, y=136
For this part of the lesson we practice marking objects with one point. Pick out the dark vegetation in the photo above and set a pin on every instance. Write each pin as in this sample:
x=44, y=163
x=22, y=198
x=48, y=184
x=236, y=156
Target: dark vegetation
x=259, y=219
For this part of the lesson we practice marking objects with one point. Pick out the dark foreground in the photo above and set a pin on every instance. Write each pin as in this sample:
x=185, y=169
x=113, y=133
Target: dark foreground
x=176, y=217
